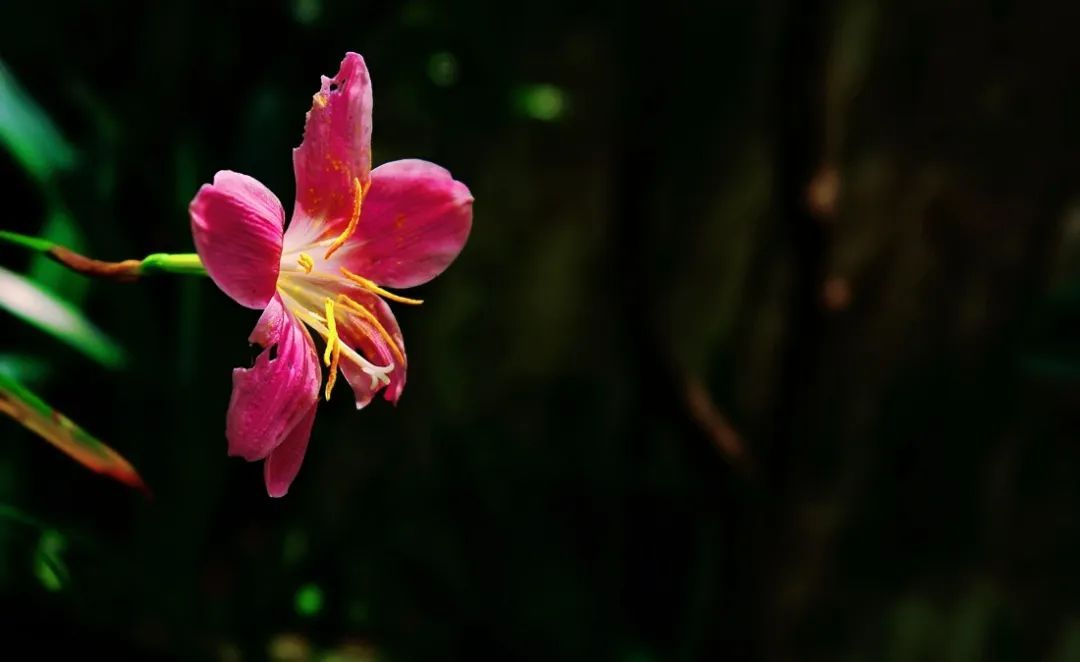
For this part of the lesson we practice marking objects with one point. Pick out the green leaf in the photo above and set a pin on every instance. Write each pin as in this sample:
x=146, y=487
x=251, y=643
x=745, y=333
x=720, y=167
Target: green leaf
x=36, y=415
x=39, y=307
x=29, y=134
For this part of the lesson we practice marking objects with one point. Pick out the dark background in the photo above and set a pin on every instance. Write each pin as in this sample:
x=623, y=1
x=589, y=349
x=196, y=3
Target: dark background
x=765, y=344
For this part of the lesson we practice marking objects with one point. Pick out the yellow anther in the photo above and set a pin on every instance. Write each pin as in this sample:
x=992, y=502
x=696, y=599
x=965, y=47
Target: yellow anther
x=375, y=289
x=333, y=348
x=358, y=199
x=306, y=263
x=331, y=331
x=320, y=100
x=370, y=318
x=331, y=374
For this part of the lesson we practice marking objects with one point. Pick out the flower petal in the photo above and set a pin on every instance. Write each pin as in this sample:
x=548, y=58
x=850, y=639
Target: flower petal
x=336, y=148
x=369, y=341
x=272, y=397
x=283, y=463
x=415, y=220
x=237, y=225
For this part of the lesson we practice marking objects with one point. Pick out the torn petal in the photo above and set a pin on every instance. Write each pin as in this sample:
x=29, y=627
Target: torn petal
x=336, y=149
x=271, y=398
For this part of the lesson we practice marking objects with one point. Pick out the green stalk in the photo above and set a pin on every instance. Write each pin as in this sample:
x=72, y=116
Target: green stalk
x=174, y=263
x=35, y=244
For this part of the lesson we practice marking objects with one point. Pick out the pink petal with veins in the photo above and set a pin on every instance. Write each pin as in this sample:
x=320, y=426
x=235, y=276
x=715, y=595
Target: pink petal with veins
x=283, y=463
x=237, y=225
x=415, y=220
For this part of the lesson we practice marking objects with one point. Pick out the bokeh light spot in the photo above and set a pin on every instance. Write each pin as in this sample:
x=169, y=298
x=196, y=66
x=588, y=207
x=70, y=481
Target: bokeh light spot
x=443, y=68
x=309, y=600
x=543, y=102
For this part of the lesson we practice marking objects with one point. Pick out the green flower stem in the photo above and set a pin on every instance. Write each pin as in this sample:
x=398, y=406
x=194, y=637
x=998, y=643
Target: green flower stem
x=173, y=263
x=128, y=270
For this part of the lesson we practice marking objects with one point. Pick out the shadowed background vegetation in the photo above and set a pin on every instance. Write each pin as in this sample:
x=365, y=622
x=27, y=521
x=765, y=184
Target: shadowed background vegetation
x=765, y=344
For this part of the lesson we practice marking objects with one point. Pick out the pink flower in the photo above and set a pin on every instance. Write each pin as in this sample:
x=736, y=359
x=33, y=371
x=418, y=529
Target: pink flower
x=354, y=230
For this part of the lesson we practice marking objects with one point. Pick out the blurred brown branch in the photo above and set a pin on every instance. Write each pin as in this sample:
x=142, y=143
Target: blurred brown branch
x=125, y=271
x=714, y=425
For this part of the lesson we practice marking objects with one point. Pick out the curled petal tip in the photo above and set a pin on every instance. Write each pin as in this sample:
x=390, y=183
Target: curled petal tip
x=283, y=464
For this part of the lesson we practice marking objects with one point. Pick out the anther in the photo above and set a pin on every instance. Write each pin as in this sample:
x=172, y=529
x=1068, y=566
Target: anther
x=358, y=199
x=370, y=318
x=331, y=331
x=332, y=355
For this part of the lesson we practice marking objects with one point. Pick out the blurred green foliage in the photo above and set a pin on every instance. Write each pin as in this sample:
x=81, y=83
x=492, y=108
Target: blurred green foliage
x=48, y=564
x=26, y=299
x=27, y=132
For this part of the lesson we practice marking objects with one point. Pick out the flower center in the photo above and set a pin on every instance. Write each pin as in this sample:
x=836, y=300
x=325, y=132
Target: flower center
x=318, y=299
x=321, y=314
x=314, y=290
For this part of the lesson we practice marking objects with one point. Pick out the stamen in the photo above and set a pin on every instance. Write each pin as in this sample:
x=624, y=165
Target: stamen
x=306, y=263
x=358, y=199
x=375, y=289
x=316, y=322
x=373, y=321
